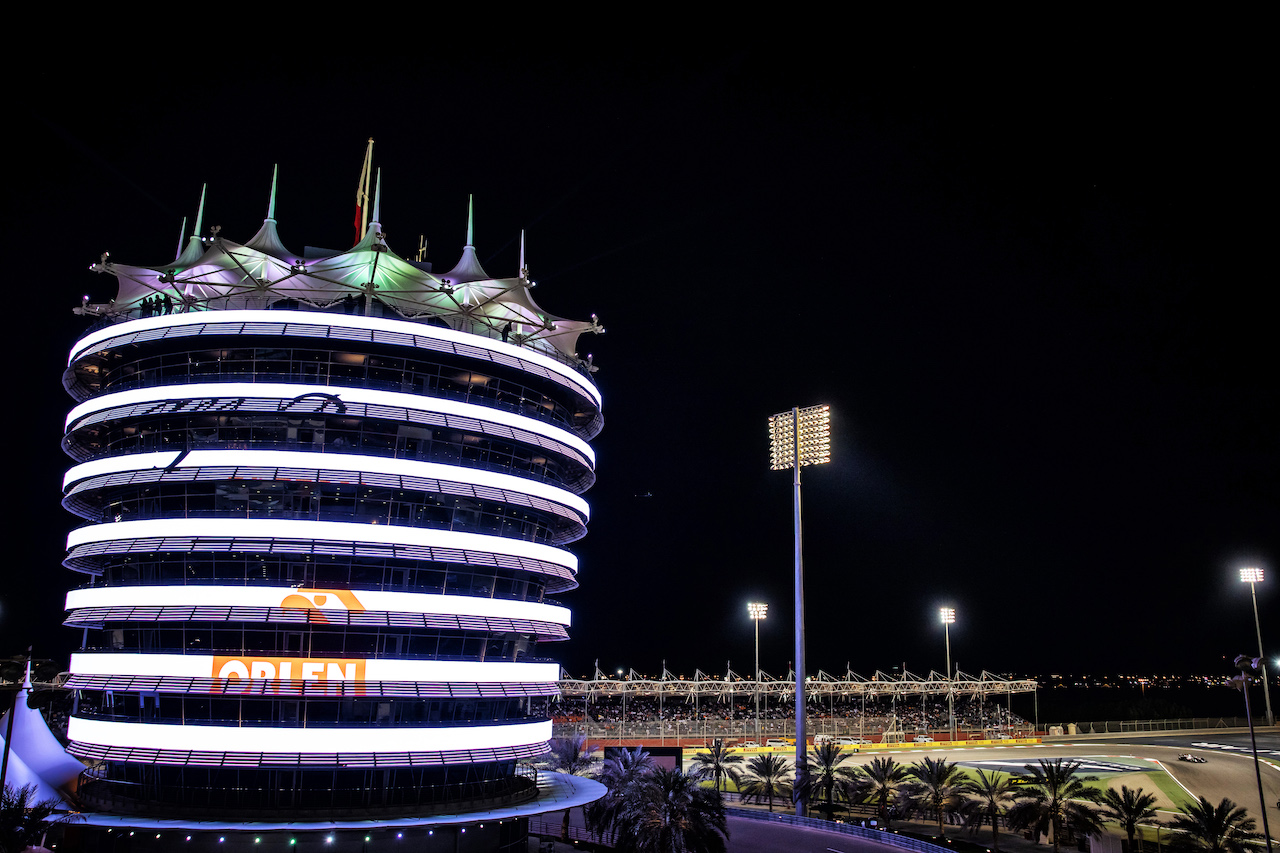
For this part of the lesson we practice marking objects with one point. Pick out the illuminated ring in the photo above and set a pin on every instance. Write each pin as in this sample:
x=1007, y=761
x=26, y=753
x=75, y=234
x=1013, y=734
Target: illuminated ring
x=304, y=324
x=151, y=535
x=307, y=466
x=323, y=603
x=275, y=397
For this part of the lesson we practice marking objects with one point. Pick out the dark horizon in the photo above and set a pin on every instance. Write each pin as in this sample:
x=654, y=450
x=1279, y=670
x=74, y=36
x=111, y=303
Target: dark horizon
x=1033, y=301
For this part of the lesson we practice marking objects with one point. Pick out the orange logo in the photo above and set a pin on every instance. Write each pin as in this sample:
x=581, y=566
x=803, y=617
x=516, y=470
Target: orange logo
x=322, y=599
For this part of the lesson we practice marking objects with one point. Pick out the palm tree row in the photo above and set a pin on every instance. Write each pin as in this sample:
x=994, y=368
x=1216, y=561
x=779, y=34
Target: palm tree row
x=1051, y=797
x=650, y=810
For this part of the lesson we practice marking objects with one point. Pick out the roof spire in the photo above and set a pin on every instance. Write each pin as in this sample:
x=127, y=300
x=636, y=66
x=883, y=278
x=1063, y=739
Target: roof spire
x=523, y=272
x=468, y=268
x=271, y=207
x=200, y=212
x=267, y=240
x=377, y=196
x=182, y=235
x=195, y=247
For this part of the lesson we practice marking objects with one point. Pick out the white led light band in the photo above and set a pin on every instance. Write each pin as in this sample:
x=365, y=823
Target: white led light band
x=302, y=740
x=321, y=600
x=265, y=529
x=374, y=669
x=504, y=351
x=338, y=463
x=285, y=393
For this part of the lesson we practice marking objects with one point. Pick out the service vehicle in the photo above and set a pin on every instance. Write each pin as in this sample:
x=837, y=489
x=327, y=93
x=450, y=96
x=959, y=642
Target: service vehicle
x=922, y=739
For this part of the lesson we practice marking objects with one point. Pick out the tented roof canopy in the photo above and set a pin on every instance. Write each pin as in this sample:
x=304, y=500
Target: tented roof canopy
x=218, y=274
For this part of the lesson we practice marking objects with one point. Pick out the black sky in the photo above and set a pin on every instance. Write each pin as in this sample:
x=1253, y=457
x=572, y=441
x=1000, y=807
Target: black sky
x=1034, y=296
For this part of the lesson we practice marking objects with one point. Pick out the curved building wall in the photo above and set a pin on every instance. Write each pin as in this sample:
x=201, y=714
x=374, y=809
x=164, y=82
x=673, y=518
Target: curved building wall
x=318, y=555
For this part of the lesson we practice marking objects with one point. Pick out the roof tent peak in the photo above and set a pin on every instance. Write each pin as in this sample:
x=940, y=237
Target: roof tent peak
x=267, y=240
x=195, y=248
x=468, y=268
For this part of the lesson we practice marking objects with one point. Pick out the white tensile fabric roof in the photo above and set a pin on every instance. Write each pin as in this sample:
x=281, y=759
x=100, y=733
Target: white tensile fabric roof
x=220, y=274
x=36, y=757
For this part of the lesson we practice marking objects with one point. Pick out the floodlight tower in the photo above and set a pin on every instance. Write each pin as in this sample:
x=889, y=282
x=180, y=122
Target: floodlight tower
x=1252, y=576
x=797, y=438
x=757, y=612
x=948, y=616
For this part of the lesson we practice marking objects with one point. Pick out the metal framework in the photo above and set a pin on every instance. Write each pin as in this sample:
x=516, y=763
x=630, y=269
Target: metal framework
x=818, y=687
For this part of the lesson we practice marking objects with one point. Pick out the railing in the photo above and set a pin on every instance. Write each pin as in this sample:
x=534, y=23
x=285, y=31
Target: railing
x=893, y=839
x=1126, y=726
x=555, y=829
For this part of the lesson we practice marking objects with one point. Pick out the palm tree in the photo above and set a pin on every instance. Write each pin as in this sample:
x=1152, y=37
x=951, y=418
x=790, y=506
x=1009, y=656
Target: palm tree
x=670, y=812
x=937, y=786
x=770, y=777
x=621, y=773
x=1128, y=809
x=825, y=772
x=718, y=763
x=883, y=777
x=571, y=755
x=24, y=820
x=1223, y=828
x=1055, y=798
x=991, y=795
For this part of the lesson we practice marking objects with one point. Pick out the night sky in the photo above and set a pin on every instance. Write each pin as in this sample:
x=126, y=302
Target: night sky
x=1034, y=297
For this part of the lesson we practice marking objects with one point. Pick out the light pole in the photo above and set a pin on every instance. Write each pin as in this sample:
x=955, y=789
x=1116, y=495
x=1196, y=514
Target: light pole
x=797, y=438
x=948, y=616
x=1253, y=576
x=757, y=612
x=1244, y=665
x=622, y=727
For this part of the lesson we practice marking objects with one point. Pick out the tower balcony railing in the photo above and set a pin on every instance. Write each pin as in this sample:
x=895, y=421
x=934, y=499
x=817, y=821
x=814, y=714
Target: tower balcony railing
x=258, y=303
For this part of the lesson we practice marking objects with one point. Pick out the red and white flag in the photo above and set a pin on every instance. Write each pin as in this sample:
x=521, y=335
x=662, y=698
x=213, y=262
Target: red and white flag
x=362, y=193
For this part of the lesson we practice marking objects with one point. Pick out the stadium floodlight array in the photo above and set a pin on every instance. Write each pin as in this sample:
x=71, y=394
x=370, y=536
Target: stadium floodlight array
x=325, y=513
x=1251, y=575
x=810, y=428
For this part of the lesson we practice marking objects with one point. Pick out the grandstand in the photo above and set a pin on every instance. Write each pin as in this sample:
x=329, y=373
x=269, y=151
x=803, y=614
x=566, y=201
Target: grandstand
x=636, y=706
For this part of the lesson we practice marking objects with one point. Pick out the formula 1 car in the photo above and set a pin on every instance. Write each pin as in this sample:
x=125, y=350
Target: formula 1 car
x=1194, y=759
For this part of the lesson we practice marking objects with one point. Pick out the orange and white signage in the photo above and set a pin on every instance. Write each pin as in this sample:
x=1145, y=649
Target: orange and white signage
x=302, y=669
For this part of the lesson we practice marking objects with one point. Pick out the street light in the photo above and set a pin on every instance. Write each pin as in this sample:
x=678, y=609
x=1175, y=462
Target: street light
x=757, y=612
x=797, y=438
x=1252, y=576
x=948, y=616
x=622, y=727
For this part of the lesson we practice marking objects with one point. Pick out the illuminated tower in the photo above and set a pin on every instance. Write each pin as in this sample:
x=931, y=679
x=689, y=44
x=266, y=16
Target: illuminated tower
x=326, y=500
